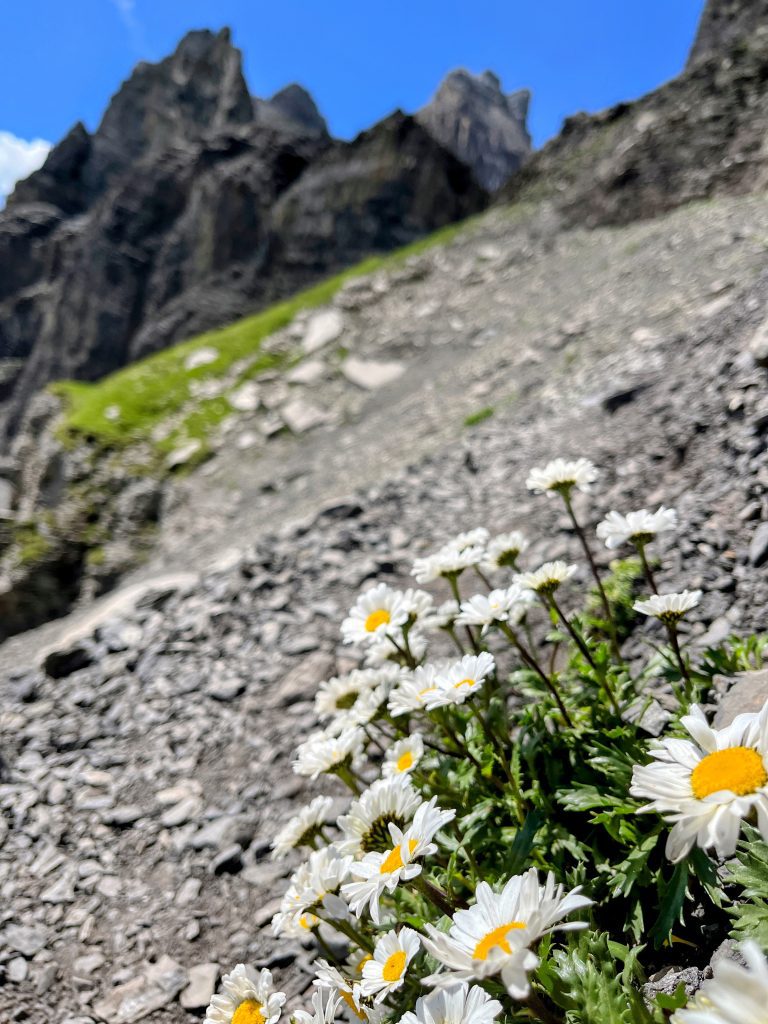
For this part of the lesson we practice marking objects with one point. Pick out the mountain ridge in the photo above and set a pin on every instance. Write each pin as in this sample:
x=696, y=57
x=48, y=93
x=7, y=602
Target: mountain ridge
x=185, y=210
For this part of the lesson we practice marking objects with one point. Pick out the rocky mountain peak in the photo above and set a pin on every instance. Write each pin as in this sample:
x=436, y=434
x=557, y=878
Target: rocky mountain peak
x=295, y=103
x=724, y=22
x=479, y=123
x=198, y=90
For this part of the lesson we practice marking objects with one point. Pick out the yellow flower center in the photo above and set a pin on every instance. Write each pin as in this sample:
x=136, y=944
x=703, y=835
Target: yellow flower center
x=378, y=618
x=428, y=689
x=405, y=761
x=307, y=921
x=363, y=962
x=248, y=1012
x=394, y=859
x=464, y=682
x=393, y=967
x=497, y=939
x=739, y=769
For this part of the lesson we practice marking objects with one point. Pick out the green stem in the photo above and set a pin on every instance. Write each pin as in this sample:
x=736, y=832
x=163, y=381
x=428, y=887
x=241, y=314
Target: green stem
x=593, y=566
x=531, y=662
x=640, y=545
x=675, y=642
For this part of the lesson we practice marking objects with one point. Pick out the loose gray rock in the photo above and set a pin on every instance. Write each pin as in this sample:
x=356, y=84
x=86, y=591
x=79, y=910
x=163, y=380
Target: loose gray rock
x=202, y=985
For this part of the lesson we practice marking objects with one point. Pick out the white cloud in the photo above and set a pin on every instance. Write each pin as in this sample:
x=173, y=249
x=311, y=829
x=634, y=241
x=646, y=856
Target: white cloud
x=18, y=158
x=127, y=11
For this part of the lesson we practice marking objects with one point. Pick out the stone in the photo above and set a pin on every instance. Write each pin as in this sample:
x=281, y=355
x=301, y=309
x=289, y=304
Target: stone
x=135, y=999
x=202, y=985
x=181, y=813
x=61, y=663
x=203, y=356
x=7, y=495
x=16, y=969
x=370, y=374
x=88, y=964
x=747, y=692
x=62, y=890
x=181, y=456
x=300, y=684
x=226, y=689
x=245, y=398
x=228, y=861
x=123, y=816
x=322, y=328
x=24, y=939
x=300, y=415
x=758, y=546
x=758, y=344
x=309, y=371
x=248, y=439
x=188, y=892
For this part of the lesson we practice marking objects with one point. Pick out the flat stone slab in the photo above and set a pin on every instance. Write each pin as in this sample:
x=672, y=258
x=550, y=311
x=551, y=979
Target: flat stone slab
x=370, y=374
x=747, y=692
x=300, y=416
x=142, y=995
x=322, y=328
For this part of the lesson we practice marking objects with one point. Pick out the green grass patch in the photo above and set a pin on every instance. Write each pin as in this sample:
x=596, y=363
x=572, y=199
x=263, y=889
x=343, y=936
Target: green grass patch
x=126, y=407
x=479, y=417
x=32, y=546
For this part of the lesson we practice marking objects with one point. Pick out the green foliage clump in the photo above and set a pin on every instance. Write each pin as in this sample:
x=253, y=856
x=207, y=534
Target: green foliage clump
x=480, y=416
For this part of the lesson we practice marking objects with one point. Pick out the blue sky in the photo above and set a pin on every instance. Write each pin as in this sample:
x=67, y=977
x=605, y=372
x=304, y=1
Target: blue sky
x=62, y=61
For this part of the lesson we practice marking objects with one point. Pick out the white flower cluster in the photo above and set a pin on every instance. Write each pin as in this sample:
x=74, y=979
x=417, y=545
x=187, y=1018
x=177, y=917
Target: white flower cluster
x=382, y=728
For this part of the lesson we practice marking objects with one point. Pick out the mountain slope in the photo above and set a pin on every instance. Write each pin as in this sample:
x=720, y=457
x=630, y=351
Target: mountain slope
x=189, y=207
x=700, y=135
x=145, y=782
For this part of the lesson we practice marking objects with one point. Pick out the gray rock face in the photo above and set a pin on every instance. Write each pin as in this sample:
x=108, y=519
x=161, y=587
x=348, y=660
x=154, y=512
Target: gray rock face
x=192, y=205
x=725, y=21
x=480, y=124
x=697, y=136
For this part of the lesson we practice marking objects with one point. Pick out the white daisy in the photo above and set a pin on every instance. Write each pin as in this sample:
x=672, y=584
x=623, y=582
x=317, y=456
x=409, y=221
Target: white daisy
x=444, y=616
x=383, y=872
x=412, y=691
x=315, y=884
x=508, y=605
x=546, y=579
x=639, y=527
x=341, y=692
x=403, y=756
x=385, y=971
x=376, y=614
x=734, y=995
x=322, y=752
x=372, y=703
x=707, y=785
x=330, y=978
x=365, y=825
x=670, y=608
x=293, y=924
x=561, y=476
x=461, y=1004
x=302, y=828
x=418, y=604
x=494, y=935
x=246, y=998
x=460, y=680
x=325, y=1004
x=503, y=551
x=460, y=553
